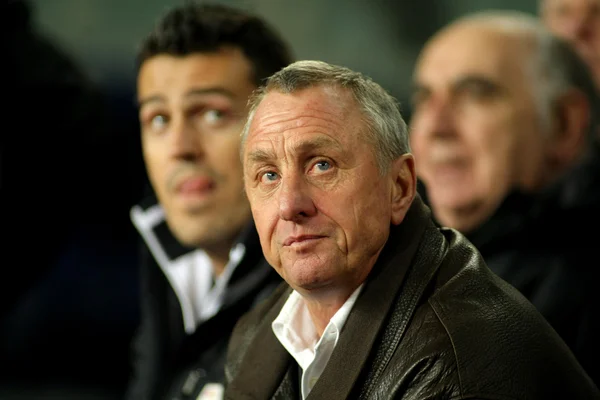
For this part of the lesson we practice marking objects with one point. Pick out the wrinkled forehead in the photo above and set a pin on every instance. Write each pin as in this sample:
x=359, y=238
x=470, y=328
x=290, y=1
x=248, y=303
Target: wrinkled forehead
x=323, y=107
x=326, y=98
x=305, y=115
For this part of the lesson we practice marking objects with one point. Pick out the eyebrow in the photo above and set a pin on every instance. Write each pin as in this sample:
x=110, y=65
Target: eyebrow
x=306, y=146
x=157, y=98
x=463, y=82
x=475, y=80
x=260, y=156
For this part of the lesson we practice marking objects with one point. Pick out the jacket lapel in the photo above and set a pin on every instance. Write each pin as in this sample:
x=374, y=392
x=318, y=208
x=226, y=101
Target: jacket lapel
x=367, y=318
x=265, y=364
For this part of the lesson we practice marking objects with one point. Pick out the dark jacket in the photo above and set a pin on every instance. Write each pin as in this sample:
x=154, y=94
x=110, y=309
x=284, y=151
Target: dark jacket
x=168, y=362
x=432, y=322
x=545, y=246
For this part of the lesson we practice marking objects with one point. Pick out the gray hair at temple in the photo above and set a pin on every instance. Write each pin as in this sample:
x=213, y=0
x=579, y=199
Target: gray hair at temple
x=554, y=66
x=388, y=133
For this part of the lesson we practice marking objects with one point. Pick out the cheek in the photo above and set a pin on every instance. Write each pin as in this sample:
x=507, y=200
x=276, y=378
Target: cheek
x=265, y=225
x=487, y=132
x=418, y=133
x=416, y=143
x=361, y=210
x=496, y=150
x=263, y=219
x=155, y=166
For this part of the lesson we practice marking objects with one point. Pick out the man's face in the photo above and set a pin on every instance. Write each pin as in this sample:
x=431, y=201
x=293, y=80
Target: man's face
x=192, y=111
x=475, y=131
x=578, y=21
x=321, y=206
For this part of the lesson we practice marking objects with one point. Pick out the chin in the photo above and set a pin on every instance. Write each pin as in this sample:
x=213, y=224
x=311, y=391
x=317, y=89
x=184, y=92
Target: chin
x=191, y=230
x=308, y=280
x=192, y=236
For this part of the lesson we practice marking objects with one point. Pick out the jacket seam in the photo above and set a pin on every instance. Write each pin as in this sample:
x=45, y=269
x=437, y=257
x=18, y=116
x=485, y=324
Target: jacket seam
x=462, y=396
x=437, y=314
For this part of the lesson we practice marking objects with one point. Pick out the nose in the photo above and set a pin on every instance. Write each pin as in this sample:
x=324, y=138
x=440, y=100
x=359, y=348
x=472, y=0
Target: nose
x=295, y=202
x=434, y=119
x=186, y=142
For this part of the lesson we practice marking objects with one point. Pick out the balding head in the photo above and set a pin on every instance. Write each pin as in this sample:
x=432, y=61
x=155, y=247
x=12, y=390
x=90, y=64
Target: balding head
x=519, y=40
x=489, y=115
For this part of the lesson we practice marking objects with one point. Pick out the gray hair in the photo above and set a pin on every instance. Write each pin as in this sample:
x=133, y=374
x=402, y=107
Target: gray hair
x=554, y=67
x=387, y=131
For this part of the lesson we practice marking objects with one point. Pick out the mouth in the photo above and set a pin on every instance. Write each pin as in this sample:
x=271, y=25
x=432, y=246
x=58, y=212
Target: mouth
x=300, y=240
x=195, y=186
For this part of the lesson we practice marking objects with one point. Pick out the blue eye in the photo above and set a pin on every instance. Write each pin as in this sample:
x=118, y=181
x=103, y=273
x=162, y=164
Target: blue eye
x=269, y=176
x=323, y=165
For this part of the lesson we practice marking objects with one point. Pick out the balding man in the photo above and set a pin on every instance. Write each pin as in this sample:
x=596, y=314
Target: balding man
x=503, y=140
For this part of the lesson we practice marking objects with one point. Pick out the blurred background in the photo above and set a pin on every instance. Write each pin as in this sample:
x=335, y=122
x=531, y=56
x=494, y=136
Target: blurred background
x=378, y=37
x=69, y=289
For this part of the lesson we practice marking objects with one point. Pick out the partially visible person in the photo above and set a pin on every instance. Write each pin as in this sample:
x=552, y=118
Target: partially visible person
x=67, y=292
x=379, y=302
x=506, y=151
x=577, y=21
x=203, y=265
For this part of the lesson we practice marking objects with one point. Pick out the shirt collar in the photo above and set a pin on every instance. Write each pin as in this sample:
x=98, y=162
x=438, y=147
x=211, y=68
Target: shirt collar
x=296, y=331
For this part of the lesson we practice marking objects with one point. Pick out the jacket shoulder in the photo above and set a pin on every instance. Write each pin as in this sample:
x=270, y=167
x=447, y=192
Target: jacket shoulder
x=501, y=344
x=247, y=326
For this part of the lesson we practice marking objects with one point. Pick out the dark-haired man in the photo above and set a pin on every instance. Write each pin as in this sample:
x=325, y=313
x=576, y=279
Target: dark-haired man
x=204, y=266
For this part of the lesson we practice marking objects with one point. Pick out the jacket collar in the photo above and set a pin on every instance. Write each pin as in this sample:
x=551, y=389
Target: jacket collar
x=563, y=204
x=267, y=362
x=149, y=219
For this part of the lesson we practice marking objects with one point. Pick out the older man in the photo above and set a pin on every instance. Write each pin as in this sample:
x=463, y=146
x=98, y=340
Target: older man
x=505, y=150
x=378, y=302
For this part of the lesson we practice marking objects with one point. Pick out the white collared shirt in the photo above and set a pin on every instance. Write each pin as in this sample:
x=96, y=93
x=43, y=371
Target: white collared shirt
x=191, y=275
x=294, y=328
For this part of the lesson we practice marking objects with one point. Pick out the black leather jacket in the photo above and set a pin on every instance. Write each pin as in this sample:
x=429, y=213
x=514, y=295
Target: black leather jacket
x=432, y=322
x=545, y=246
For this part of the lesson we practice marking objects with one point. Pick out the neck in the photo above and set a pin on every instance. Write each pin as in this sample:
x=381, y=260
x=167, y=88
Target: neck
x=322, y=303
x=323, y=309
x=465, y=219
x=219, y=257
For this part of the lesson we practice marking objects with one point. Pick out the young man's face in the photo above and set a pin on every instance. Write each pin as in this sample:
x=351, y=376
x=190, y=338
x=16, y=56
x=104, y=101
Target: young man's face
x=192, y=110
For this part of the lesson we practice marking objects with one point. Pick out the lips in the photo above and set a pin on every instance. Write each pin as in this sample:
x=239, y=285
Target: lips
x=448, y=166
x=300, y=239
x=195, y=185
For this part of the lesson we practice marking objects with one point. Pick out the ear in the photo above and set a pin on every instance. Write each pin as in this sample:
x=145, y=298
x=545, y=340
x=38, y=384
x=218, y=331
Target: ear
x=404, y=186
x=570, y=127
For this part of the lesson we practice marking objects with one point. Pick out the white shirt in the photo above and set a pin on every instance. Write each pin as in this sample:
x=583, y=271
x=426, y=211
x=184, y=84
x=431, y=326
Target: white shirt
x=200, y=294
x=192, y=276
x=294, y=328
